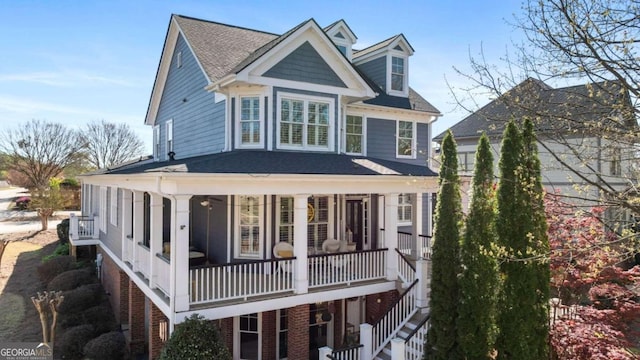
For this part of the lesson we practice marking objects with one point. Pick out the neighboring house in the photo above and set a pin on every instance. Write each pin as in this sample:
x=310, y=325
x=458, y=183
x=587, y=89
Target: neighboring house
x=289, y=196
x=569, y=123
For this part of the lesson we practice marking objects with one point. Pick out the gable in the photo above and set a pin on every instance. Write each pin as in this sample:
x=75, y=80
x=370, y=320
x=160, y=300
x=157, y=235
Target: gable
x=305, y=64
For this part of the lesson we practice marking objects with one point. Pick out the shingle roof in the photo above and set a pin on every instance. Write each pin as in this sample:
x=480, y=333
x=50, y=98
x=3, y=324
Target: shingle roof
x=274, y=162
x=220, y=47
x=414, y=102
x=554, y=110
x=382, y=44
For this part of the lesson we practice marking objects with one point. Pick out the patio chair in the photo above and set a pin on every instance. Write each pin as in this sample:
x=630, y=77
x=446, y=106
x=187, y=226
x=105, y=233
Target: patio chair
x=283, y=250
x=331, y=246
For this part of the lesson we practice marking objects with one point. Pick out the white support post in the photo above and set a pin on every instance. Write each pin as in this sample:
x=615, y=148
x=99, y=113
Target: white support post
x=126, y=234
x=391, y=234
x=422, y=274
x=179, y=281
x=138, y=226
x=366, y=339
x=73, y=226
x=415, y=225
x=95, y=231
x=397, y=349
x=155, y=240
x=324, y=352
x=300, y=274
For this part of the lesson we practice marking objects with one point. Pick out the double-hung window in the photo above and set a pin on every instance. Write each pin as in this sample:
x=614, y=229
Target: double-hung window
x=250, y=133
x=406, y=139
x=404, y=209
x=305, y=123
x=285, y=229
x=249, y=211
x=354, y=135
x=169, y=134
x=248, y=340
x=397, y=73
x=156, y=142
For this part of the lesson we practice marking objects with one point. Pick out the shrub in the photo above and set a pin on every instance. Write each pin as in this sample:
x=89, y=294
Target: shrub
x=195, y=338
x=61, y=250
x=80, y=299
x=73, y=341
x=100, y=316
x=63, y=231
x=55, y=266
x=108, y=346
x=71, y=279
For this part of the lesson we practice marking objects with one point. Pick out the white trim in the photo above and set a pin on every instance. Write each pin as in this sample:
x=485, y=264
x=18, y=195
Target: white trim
x=237, y=233
x=382, y=112
x=218, y=97
x=400, y=40
x=156, y=142
x=113, y=206
x=405, y=80
x=179, y=59
x=236, y=335
x=364, y=134
x=306, y=99
x=169, y=144
x=405, y=204
x=238, y=124
x=413, y=140
x=102, y=213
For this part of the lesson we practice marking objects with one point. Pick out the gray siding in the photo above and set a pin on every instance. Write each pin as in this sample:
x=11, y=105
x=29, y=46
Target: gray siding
x=376, y=70
x=112, y=239
x=198, y=122
x=217, y=217
x=276, y=116
x=306, y=65
x=381, y=141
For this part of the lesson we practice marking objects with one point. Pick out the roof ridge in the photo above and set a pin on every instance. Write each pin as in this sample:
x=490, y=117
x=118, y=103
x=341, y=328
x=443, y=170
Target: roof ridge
x=376, y=44
x=223, y=24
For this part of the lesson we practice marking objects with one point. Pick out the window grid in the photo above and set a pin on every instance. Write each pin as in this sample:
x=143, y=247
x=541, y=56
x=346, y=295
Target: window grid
x=397, y=73
x=466, y=161
x=404, y=208
x=249, y=336
x=291, y=122
x=318, y=124
x=249, y=226
x=286, y=220
x=169, y=136
x=318, y=227
x=405, y=139
x=354, y=133
x=250, y=120
x=304, y=123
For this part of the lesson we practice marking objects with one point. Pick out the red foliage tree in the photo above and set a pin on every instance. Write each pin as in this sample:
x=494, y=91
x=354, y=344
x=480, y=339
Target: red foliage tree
x=603, y=311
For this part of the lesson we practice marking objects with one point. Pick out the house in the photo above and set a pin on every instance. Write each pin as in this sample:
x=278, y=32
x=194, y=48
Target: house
x=579, y=161
x=288, y=197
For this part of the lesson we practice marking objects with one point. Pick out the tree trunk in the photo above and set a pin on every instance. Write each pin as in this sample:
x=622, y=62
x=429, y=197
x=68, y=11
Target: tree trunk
x=3, y=245
x=41, y=305
x=44, y=217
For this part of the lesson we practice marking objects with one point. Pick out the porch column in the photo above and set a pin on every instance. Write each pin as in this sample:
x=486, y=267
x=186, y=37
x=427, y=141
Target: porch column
x=424, y=283
x=138, y=227
x=416, y=225
x=155, y=240
x=301, y=277
x=391, y=234
x=179, y=281
x=127, y=210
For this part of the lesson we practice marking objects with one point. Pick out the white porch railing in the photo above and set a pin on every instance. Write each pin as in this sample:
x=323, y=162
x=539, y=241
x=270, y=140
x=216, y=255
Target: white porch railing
x=350, y=353
x=142, y=257
x=129, y=243
x=414, y=343
x=240, y=281
x=346, y=268
x=406, y=271
x=83, y=227
x=405, y=243
x=425, y=241
x=389, y=325
x=162, y=269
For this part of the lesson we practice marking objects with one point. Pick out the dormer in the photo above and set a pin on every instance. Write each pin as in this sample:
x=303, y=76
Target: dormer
x=341, y=35
x=387, y=64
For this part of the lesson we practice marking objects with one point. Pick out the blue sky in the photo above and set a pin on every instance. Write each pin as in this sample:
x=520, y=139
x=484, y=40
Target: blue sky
x=77, y=61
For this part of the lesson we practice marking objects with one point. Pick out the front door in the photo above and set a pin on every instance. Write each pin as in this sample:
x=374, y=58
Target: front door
x=355, y=223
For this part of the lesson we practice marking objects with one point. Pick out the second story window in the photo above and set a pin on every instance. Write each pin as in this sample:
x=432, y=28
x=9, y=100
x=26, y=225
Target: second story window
x=156, y=142
x=354, y=135
x=250, y=120
x=397, y=73
x=615, y=167
x=304, y=123
x=169, y=134
x=406, y=140
x=466, y=161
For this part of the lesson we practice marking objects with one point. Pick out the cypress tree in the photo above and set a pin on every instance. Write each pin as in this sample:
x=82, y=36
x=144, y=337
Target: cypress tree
x=441, y=338
x=523, y=329
x=479, y=277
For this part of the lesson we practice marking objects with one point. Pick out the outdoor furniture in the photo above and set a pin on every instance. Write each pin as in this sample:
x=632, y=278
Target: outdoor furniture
x=283, y=250
x=331, y=246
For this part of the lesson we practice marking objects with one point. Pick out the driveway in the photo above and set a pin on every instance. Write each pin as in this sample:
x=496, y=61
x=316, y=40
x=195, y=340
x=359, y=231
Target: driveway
x=20, y=221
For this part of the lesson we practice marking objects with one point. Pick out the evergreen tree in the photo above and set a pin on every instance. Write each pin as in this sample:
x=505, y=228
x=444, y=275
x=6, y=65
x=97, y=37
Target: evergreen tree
x=523, y=330
x=476, y=324
x=441, y=339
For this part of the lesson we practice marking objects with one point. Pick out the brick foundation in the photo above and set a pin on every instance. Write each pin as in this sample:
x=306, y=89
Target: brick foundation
x=158, y=331
x=269, y=335
x=298, y=334
x=226, y=332
x=377, y=305
x=136, y=319
x=122, y=316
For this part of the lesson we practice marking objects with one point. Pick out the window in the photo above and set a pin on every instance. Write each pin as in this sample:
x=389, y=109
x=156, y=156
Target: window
x=305, y=123
x=318, y=225
x=466, y=161
x=103, y=209
x=404, y=209
x=615, y=167
x=249, y=226
x=283, y=333
x=354, y=133
x=169, y=128
x=249, y=336
x=114, y=206
x=146, y=218
x=179, y=59
x=397, y=73
x=343, y=49
x=250, y=121
x=286, y=220
x=406, y=139
x=156, y=142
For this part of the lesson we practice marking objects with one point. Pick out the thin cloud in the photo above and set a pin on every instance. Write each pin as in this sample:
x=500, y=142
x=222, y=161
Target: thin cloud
x=68, y=78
